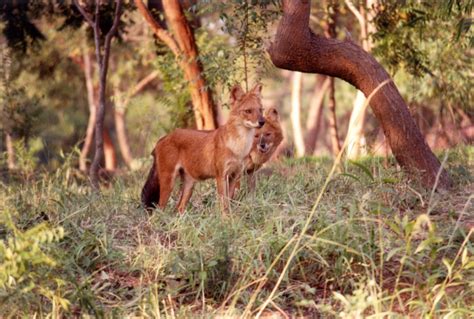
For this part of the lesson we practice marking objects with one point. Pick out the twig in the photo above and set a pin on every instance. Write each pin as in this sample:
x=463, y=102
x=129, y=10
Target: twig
x=84, y=13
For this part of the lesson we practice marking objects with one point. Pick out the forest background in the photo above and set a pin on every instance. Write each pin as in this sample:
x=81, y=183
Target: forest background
x=50, y=94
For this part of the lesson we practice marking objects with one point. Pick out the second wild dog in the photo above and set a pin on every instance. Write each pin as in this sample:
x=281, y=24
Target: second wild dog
x=266, y=141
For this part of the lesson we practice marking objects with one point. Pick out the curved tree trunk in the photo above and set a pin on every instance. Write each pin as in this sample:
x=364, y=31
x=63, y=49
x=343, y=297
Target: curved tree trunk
x=200, y=95
x=315, y=114
x=183, y=46
x=297, y=48
x=296, y=88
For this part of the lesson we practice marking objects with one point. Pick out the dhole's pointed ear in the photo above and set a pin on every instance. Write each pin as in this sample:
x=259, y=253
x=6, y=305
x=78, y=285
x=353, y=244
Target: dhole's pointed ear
x=272, y=114
x=257, y=89
x=236, y=93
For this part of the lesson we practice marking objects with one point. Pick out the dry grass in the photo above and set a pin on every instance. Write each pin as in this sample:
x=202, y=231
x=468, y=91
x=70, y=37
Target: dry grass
x=378, y=244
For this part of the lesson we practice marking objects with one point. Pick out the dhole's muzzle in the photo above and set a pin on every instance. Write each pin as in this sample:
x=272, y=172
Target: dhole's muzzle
x=260, y=119
x=263, y=144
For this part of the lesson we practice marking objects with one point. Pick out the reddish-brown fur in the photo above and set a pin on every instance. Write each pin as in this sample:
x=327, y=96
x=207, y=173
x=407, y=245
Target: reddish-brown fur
x=198, y=155
x=266, y=141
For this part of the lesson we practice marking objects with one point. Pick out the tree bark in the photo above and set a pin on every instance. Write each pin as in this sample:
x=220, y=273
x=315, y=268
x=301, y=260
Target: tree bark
x=11, y=163
x=183, y=45
x=92, y=112
x=330, y=32
x=313, y=123
x=103, y=62
x=336, y=146
x=110, y=156
x=122, y=138
x=297, y=48
x=296, y=88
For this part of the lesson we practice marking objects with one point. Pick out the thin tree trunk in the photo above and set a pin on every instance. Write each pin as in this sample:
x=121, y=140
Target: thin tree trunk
x=330, y=32
x=122, y=138
x=355, y=136
x=296, y=89
x=103, y=62
x=119, y=117
x=11, y=163
x=297, y=48
x=183, y=45
x=315, y=114
x=110, y=156
x=336, y=146
x=355, y=131
x=92, y=112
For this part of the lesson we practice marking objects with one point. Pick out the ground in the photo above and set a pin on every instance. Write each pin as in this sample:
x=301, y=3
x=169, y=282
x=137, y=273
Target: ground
x=376, y=243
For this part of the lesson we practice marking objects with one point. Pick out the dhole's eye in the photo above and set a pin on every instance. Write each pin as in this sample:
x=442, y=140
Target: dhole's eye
x=248, y=111
x=256, y=136
x=268, y=134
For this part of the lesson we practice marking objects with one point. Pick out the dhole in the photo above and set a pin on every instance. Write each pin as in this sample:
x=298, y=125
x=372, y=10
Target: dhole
x=266, y=141
x=198, y=155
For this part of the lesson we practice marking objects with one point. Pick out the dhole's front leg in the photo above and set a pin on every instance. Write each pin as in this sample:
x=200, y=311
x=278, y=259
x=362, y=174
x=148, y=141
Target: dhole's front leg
x=249, y=178
x=234, y=182
x=251, y=182
x=222, y=191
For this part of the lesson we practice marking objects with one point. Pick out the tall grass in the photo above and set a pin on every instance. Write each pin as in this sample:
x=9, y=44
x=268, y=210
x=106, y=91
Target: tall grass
x=378, y=245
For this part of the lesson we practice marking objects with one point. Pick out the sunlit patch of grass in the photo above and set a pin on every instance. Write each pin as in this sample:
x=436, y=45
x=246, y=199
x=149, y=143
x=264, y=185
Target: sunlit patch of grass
x=378, y=244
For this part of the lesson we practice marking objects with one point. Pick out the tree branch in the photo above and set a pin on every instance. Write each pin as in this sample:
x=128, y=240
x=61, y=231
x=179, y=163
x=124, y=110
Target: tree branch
x=84, y=13
x=110, y=34
x=96, y=29
x=356, y=13
x=115, y=24
x=141, y=84
x=161, y=33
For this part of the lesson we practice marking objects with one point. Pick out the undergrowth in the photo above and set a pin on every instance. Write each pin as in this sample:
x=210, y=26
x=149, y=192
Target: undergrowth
x=378, y=244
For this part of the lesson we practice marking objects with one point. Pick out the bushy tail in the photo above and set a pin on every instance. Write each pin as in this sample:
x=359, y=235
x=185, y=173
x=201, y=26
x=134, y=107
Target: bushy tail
x=151, y=189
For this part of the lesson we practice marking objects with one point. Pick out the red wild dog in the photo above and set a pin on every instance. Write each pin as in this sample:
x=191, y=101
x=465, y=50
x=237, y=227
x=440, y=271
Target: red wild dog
x=198, y=155
x=266, y=141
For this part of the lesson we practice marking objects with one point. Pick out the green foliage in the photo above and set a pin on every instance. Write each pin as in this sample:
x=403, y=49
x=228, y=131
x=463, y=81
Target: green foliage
x=26, y=262
x=18, y=111
x=429, y=40
x=247, y=22
x=176, y=98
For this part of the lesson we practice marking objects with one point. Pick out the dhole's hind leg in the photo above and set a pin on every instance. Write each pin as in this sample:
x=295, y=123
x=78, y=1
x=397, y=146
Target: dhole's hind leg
x=166, y=187
x=186, y=191
x=251, y=181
